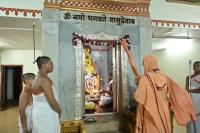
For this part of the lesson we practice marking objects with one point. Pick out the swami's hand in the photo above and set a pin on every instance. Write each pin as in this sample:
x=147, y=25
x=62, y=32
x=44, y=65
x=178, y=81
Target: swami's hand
x=124, y=44
x=137, y=80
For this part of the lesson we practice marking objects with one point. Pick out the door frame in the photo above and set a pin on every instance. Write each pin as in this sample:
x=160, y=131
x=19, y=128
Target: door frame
x=119, y=80
x=3, y=91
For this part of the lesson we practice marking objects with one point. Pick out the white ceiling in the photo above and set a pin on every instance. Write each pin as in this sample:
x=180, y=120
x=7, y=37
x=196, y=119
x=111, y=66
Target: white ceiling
x=163, y=37
x=176, y=33
x=17, y=33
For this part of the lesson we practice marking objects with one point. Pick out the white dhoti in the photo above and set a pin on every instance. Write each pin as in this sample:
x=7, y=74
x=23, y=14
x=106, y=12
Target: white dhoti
x=28, y=112
x=192, y=127
x=105, y=100
x=45, y=119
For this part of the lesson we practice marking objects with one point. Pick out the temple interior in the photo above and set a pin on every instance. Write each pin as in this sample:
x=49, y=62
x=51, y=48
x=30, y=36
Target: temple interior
x=92, y=74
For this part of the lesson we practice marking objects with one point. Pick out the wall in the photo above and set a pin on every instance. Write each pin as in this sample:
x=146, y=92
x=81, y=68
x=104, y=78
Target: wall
x=20, y=57
x=22, y=8
x=57, y=39
x=23, y=4
x=173, y=60
x=160, y=9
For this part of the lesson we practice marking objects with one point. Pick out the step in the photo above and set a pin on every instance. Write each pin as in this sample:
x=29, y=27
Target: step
x=104, y=124
x=111, y=132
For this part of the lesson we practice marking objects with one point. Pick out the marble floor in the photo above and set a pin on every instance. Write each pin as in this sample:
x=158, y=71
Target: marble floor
x=9, y=120
x=107, y=123
x=111, y=132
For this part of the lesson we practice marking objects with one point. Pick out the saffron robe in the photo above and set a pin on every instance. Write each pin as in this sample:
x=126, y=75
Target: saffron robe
x=157, y=95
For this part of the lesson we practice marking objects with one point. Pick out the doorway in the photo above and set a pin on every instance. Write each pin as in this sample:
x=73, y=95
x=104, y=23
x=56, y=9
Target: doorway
x=11, y=85
x=101, y=64
x=100, y=95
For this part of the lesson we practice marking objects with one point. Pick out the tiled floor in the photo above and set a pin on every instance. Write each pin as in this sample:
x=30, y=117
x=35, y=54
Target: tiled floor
x=9, y=120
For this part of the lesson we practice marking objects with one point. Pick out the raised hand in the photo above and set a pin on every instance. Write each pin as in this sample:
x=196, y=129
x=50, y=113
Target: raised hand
x=125, y=45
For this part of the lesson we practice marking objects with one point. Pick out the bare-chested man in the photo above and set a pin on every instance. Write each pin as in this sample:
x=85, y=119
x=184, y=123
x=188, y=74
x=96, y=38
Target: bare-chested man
x=25, y=104
x=46, y=109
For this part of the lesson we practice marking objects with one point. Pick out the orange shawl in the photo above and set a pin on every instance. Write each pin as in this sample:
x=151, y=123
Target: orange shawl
x=181, y=103
x=155, y=93
x=153, y=115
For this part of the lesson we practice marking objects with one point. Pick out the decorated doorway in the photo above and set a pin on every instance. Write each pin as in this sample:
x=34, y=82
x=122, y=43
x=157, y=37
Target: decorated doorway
x=99, y=97
x=101, y=62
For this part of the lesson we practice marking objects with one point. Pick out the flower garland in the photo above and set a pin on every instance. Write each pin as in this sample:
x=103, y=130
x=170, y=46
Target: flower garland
x=25, y=12
x=85, y=41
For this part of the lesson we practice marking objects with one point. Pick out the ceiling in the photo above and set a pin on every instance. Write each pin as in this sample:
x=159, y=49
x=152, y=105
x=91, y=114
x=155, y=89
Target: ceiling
x=175, y=33
x=17, y=33
x=163, y=38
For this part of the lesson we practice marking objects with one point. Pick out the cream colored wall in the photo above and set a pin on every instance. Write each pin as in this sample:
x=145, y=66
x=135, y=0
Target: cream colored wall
x=20, y=57
x=162, y=10
x=23, y=4
x=174, y=59
x=174, y=62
